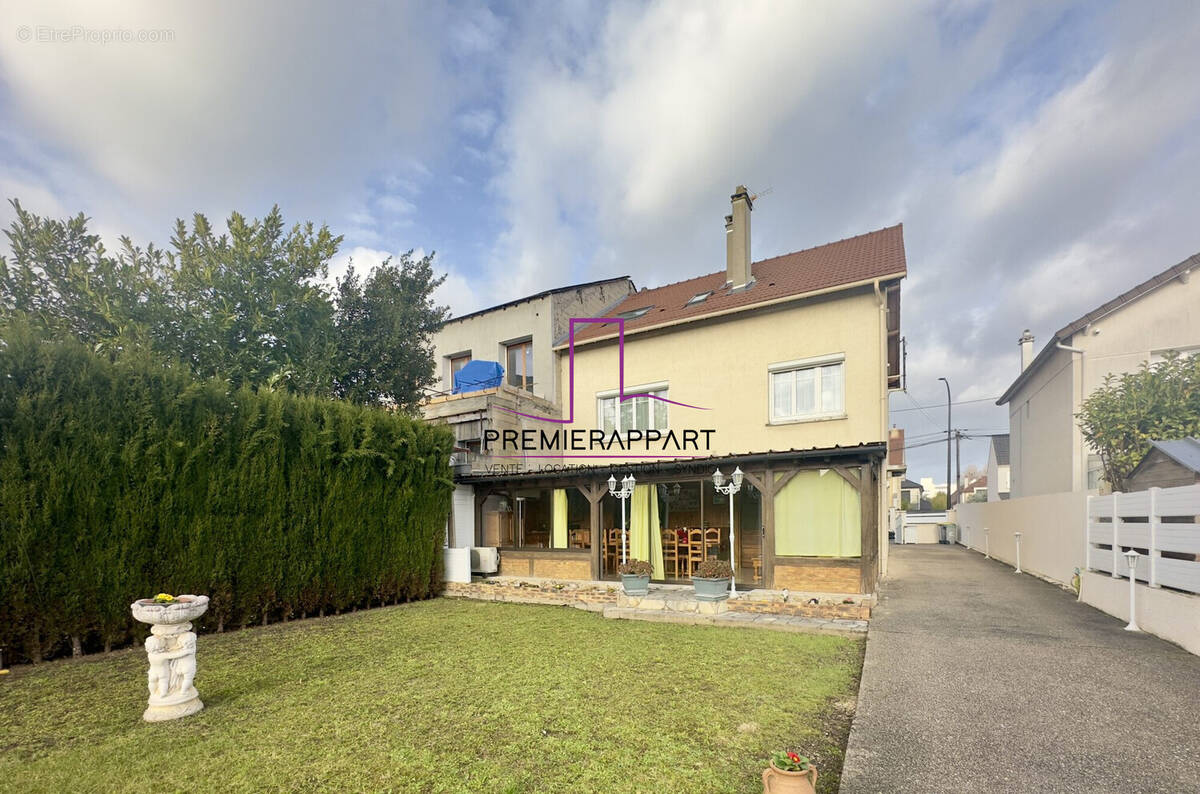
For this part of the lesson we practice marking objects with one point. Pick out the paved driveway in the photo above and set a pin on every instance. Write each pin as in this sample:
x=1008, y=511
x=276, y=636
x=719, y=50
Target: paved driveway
x=978, y=679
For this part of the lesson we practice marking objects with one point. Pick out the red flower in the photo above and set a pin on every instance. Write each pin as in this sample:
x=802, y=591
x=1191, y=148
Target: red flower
x=794, y=758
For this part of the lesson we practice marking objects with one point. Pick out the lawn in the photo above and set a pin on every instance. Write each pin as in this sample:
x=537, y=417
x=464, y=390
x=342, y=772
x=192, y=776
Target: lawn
x=443, y=695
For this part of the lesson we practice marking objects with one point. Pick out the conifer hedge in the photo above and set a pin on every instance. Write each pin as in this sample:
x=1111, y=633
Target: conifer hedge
x=119, y=480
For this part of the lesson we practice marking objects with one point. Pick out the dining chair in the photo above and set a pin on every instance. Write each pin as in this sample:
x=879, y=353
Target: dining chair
x=695, y=552
x=712, y=541
x=612, y=550
x=670, y=551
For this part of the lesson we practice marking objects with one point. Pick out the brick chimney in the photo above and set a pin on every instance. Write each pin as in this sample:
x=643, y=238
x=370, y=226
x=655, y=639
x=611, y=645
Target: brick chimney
x=1026, y=343
x=737, y=239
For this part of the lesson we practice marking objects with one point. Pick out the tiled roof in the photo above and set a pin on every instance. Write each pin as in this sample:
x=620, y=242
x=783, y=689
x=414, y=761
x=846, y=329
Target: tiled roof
x=878, y=254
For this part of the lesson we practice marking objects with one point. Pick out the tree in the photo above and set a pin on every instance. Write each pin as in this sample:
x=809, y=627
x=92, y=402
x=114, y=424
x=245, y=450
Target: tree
x=249, y=306
x=63, y=281
x=385, y=325
x=1122, y=417
x=938, y=501
x=905, y=502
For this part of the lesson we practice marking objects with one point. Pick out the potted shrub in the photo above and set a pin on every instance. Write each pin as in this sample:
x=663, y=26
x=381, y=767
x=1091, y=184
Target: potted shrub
x=635, y=577
x=711, y=580
x=789, y=773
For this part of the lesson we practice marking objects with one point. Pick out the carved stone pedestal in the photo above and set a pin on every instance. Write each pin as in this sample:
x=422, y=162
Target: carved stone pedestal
x=171, y=650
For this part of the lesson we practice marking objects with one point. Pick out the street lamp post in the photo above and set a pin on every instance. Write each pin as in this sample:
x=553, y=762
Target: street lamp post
x=622, y=493
x=943, y=380
x=735, y=485
x=1017, y=535
x=1131, y=558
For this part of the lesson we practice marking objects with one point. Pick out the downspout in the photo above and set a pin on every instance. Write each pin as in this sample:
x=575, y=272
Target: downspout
x=881, y=509
x=1075, y=429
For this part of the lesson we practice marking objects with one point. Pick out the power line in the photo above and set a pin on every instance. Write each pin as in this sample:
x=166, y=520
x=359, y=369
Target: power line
x=923, y=407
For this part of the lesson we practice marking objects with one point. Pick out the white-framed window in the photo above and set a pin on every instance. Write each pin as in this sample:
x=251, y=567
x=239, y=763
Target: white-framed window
x=1157, y=356
x=812, y=388
x=637, y=413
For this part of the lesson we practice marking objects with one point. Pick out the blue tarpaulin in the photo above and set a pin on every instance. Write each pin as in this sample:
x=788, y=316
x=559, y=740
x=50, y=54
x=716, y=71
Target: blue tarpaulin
x=478, y=375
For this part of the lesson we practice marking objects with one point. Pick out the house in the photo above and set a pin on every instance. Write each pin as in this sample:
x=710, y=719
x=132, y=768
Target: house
x=975, y=490
x=998, y=475
x=911, y=493
x=1047, y=450
x=1166, y=465
x=778, y=370
x=519, y=336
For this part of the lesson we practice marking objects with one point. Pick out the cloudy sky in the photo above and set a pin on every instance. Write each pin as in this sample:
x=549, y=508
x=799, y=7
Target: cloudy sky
x=1042, y=156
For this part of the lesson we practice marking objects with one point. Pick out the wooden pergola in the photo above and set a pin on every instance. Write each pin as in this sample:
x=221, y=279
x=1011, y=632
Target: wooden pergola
x=769, y=472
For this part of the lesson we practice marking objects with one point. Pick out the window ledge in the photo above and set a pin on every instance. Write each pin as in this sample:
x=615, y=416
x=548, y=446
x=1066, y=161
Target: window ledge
x=806, y=419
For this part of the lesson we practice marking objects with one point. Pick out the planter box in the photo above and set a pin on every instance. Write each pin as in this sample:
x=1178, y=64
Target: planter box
x=711, y=589
x=635, y=585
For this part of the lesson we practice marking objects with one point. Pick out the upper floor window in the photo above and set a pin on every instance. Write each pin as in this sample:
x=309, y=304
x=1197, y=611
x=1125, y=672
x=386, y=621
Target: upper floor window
x=808, y=389
x=635, y=413
x=520, y=364
x=457, y=363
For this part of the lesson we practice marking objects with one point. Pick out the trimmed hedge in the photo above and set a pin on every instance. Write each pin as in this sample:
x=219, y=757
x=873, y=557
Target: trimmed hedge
x=121, y=480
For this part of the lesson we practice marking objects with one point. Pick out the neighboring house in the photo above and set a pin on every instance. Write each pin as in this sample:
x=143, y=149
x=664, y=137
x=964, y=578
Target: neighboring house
x=974, y=491
x=998, y=474
x=1166, y=465
x=911, y=493
x=780, y=368
x=519, y=335
x=1048, y=453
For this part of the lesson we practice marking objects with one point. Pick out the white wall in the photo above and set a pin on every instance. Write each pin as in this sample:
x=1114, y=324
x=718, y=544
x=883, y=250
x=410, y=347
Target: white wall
x=1051, y=527
x=484, y=334
x=462, y=526
x=1040, y=429
x=1167, y=614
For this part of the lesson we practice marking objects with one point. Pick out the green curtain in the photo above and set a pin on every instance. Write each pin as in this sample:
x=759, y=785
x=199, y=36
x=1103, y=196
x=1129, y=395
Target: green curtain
x=645, y=533
x=818, y=514
x=559, y=540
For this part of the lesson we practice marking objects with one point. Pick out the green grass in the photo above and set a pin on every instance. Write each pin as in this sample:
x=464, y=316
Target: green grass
x=440, y=696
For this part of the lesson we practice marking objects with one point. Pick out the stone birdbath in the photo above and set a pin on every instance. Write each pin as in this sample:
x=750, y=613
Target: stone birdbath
x=171, y=648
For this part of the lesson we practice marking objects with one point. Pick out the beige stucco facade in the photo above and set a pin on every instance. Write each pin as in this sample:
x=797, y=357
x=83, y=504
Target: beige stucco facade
x=1047, y=450
x=723, y=365
x=542, y=319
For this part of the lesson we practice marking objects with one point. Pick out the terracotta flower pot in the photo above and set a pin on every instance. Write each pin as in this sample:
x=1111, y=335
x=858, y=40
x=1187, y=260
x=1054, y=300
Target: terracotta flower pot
x=778, y=781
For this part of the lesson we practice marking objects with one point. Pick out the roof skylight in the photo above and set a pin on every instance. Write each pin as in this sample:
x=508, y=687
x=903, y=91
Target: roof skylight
x=633, y=314
x=699, y=297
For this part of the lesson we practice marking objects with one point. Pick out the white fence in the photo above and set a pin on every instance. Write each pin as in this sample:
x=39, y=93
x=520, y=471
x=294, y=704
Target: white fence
x=1051, y=527
x=1152, y=522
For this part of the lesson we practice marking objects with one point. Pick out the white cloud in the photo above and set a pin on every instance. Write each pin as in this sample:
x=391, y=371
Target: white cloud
x=246, y=105
x=478, y=122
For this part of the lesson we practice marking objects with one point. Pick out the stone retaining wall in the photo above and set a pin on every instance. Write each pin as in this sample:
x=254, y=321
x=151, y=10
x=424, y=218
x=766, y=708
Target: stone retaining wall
x=595, y=596
x=583, y=596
